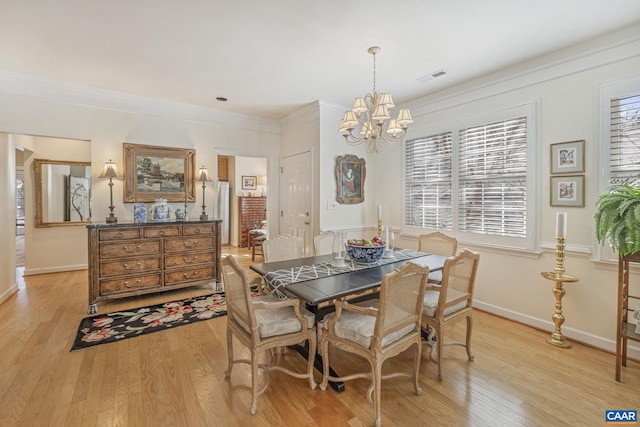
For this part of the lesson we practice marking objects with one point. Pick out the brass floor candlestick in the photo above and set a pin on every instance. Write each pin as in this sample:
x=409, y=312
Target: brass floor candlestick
x=559, y=277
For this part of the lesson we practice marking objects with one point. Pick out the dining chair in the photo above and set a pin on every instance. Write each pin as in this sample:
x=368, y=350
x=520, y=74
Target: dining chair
x=263, y=323
x=440, y=244
x=450, y=302
x=323, y=243
x=379, y=333
x=282, y=247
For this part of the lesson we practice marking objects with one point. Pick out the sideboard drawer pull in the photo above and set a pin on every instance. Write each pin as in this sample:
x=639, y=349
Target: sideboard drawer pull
x=190, y=245
x=198, y=230
x=126, y=283
x=127, y=267
x=130, y=251
x=193, y=276
x=120, y=235
x=190, y=261
x=163, y=232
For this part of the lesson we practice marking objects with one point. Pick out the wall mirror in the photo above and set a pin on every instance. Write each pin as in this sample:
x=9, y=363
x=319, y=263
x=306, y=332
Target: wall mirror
x=63, y=193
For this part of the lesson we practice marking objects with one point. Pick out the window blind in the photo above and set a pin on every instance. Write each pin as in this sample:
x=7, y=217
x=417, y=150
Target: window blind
x=492, y=195
x=625, y=138
x=428, y=180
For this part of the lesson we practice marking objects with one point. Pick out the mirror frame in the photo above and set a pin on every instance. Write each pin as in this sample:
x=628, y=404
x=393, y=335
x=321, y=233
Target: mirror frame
x=37, y=164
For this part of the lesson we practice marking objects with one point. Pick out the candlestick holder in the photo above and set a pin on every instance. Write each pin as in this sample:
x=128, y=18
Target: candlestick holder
x=560, y=278
x=380, y=228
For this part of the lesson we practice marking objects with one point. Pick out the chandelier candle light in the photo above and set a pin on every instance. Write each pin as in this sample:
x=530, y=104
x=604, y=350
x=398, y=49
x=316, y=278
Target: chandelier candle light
x=111, y=171
x=559, y=277
x=371, y=113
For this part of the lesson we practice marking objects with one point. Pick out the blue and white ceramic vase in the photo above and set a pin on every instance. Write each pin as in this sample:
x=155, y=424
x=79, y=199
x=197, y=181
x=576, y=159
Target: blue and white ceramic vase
x=139, y=213
x=161, y=211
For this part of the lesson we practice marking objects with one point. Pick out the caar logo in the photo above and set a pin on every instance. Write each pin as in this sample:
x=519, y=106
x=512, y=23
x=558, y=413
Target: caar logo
x=621, y=416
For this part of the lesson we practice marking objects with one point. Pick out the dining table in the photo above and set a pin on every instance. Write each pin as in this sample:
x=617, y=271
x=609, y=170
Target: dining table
x=318, y=282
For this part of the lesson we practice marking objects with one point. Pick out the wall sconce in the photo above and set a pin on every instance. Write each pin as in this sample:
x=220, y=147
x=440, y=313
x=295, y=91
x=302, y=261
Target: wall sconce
x=203, y=175
x=111, y=171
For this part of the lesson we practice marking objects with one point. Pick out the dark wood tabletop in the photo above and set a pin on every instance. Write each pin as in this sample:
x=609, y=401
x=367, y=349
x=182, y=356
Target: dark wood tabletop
x=324, y=289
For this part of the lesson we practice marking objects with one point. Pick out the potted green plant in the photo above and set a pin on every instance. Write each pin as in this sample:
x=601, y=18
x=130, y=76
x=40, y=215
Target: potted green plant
x=617, y=217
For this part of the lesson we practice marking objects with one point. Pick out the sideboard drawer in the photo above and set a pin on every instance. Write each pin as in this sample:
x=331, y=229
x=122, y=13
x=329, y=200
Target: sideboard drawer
x=188, y=244
x=187, y=259
x=133, y=248
x=162, y=231
x=120, y=234
x=129, y=266
x=189, y=230
x=130, y=284
x=190, y=275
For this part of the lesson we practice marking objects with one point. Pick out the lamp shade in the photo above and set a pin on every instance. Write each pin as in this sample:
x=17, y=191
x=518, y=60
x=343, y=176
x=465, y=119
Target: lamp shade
x=385, y=99
x=203, y=174
x=404, y=118
x=110, y=170
x=359, y=106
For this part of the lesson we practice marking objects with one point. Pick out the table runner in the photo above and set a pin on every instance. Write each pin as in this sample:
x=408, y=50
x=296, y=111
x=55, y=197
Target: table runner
x=278, y=280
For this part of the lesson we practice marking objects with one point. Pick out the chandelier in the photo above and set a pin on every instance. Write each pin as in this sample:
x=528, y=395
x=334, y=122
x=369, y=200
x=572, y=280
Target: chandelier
x=371, y=113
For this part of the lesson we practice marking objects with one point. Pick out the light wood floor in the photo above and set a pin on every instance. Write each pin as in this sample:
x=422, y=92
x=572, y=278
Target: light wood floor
x=176, y=377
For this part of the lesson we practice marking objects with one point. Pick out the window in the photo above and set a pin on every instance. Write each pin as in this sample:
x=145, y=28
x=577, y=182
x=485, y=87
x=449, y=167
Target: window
x=493, y=179
x=474, y=180
x=624, y=160
x=428, y=181
x=619, y=158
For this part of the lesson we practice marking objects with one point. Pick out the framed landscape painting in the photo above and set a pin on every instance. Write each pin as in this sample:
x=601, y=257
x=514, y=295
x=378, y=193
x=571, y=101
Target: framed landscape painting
x=152, y=173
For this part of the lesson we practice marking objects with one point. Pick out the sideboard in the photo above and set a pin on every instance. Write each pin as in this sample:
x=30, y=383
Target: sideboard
x=128, y=259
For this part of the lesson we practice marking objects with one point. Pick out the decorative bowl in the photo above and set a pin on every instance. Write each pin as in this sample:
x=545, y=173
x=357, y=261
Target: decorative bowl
x=365, y=254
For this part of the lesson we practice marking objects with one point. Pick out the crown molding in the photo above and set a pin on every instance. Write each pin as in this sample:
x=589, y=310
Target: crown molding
x=28, y=85
x=597, y=52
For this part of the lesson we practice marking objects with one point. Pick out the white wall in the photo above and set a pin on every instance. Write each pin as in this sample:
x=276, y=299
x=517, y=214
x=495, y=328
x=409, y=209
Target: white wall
x=8, y=285
x=566, y=85
x=107, y=125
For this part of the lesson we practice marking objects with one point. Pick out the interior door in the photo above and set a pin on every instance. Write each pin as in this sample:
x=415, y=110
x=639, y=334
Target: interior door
x=295, y=198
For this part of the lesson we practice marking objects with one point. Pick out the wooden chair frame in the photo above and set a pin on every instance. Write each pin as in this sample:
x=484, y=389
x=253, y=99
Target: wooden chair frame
x=241, y=311
x=461, y=268
x=414, y=279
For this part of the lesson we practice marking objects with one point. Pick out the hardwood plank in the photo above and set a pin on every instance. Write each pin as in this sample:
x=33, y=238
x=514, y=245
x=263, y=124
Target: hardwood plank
x=176, y=377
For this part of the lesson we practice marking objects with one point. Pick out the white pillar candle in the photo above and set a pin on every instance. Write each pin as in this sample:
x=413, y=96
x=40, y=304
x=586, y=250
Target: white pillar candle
x=379, y=213
x=561, y=224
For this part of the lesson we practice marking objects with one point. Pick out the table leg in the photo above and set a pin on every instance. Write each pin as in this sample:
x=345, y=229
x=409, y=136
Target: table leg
x=304, y=351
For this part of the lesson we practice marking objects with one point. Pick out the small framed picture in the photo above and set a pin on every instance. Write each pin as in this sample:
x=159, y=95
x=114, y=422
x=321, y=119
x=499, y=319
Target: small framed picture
x=249, y=182
x=567, y=190
x=567, y=157
x=350, y=171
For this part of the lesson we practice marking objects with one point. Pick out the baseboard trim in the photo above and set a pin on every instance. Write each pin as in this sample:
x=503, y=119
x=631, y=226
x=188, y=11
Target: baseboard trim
x=633, y=351
x=8, y=293
x=59, y=269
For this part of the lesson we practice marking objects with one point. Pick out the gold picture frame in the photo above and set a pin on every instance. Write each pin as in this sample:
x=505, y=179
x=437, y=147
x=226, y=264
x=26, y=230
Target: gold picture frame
x=567, y=190
x=567, y=157
x=152, y=173
x=350, y=172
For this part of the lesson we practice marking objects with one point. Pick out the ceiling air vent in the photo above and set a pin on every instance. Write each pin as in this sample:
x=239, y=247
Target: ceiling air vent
x=432, y=76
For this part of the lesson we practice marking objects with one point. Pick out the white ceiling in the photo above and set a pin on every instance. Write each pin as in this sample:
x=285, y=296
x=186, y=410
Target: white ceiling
x=271, y=57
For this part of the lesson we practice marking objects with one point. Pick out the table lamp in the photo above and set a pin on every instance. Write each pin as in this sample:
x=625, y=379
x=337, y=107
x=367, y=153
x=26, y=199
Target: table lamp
x=203, y=175
x=111, y=171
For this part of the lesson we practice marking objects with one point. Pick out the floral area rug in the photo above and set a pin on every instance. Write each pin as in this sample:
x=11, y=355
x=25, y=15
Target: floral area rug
x=110, y=327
